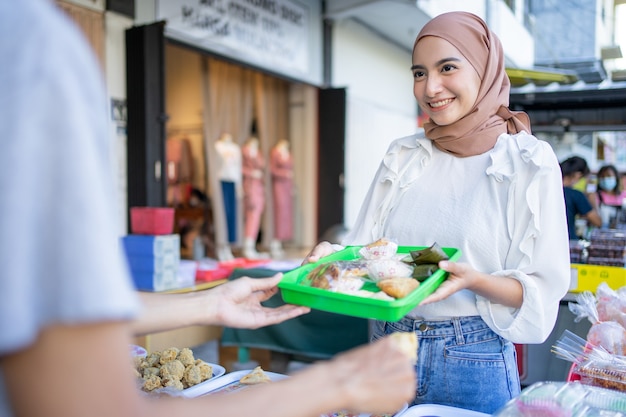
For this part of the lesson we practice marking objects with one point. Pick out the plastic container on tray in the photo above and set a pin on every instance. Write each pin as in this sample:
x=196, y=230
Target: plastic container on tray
x=293, y=292
x=151, y=220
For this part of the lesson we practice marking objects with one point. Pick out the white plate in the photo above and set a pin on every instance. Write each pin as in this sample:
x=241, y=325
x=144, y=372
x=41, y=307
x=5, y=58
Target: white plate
x=337, y=414
x=433, y=410
x=227, y=383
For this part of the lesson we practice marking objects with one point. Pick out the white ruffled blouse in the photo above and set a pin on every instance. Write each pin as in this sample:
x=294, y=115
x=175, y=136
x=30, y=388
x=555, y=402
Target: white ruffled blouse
x=503, y=209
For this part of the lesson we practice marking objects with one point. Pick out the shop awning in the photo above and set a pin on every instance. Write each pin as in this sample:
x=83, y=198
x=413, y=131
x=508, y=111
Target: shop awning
x=520, y=77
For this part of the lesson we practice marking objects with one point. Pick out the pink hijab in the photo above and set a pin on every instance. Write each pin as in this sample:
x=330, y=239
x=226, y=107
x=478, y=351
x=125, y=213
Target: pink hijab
x=478, y=131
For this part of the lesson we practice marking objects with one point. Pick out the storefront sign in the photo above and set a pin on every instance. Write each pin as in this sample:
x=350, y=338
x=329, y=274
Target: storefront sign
x=273, y=34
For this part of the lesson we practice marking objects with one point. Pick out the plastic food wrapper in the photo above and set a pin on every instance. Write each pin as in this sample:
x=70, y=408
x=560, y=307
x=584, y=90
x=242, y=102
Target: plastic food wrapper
x=383, y=248
x=594, y=364
x=610, y=335
x=339, y=276
x=604, y=332
x=388, y=268
x=611, y=305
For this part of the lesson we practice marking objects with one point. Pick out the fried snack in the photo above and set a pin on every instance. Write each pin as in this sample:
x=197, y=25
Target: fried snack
x=256, y=376
x=153, y=359
x=195, y=374
x=398, y=287
x=174, y=383
x=168, y=355
x=173, y=367
x=151, y=383
x=151, y=370
x=407, y=343
x=206, y=370
x=185, y=356
x=172, y=370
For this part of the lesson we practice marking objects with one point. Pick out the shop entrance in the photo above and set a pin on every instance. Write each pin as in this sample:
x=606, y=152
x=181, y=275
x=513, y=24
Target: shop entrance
x=183, y=106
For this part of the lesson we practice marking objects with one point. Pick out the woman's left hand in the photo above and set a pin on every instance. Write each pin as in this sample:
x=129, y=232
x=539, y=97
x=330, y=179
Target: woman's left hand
x=503, y=290
x=461, y=276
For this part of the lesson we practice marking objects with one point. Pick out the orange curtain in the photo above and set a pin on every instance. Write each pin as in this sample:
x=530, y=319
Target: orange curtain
x=91, y=24
x=233, y=97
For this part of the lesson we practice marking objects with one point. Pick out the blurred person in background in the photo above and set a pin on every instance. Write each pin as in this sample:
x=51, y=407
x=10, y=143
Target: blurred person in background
x=67, y=303
x=577, y=203
x=609, y=197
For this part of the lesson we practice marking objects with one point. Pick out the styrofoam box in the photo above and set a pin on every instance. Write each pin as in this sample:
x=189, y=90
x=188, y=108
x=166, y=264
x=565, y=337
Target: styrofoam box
x=156, y=281
x=143, y=245
x=154, y=263
x=187, y=273
x=434, y=410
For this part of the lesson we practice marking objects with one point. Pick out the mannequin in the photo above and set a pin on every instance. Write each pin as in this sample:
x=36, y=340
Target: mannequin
x=253, y=195
x=281, y=167
x=229, y=175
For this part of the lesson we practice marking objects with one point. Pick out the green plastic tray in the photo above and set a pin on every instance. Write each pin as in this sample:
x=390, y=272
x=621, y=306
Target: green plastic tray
x=352, y=305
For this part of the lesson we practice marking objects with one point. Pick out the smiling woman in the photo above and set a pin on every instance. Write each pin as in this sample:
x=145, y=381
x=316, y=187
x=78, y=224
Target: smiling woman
x=477, y=180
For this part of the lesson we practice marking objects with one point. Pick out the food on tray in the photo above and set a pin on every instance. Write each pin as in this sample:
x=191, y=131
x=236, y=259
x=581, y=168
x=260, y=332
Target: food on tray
x=256, y=376
x=425, y=261
x=430, y=255
x=421, y=272
x=398, y=287
x=339, y=276
x=172, y=367
x=407, y=342
x=387, y=268
x=379, y=263
x=383, y=248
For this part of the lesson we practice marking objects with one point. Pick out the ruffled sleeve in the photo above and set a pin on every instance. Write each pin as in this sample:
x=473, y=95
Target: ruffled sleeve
x=539, y=253
x=401, y=165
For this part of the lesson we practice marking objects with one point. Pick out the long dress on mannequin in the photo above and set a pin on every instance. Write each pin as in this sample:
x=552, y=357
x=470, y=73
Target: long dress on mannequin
x=253, y=195
x=281, y=168
x=229, y=174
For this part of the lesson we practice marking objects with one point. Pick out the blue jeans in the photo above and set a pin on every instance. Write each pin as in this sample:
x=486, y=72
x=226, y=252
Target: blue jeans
x=461, y=363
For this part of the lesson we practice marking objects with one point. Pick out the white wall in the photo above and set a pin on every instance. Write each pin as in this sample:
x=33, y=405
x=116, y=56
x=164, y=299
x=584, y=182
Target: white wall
x=517, y=42
x=380, y=103
x=115, y=52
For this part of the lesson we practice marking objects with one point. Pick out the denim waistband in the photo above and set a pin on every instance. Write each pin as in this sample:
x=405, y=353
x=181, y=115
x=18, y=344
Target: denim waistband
x=453, y=326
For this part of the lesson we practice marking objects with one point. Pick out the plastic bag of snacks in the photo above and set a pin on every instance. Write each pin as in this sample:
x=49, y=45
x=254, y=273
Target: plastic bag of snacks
x=564, y=399
x=605, y=311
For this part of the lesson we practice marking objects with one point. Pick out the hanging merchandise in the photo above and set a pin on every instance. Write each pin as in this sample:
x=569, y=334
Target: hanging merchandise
x=253, y=194
x=281, y=167
x=229, y=174
x=179, y=171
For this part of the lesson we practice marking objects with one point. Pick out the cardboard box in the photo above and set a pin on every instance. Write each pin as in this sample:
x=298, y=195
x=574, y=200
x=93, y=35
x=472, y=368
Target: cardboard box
x=153, y=261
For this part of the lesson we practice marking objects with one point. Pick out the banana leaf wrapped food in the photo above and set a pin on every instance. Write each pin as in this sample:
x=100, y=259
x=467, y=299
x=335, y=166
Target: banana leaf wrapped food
x=425, y=261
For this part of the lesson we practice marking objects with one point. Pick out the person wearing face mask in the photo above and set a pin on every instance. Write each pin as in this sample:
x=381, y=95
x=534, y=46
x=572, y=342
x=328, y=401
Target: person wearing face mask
x=609, y=197
x=476, y=179
x=577, y=204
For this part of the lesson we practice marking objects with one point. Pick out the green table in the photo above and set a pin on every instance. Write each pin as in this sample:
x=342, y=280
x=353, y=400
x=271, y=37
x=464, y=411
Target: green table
x=318, y=334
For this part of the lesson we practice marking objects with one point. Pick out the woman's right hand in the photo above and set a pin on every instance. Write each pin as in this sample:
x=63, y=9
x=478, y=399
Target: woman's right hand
x=318, y=252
